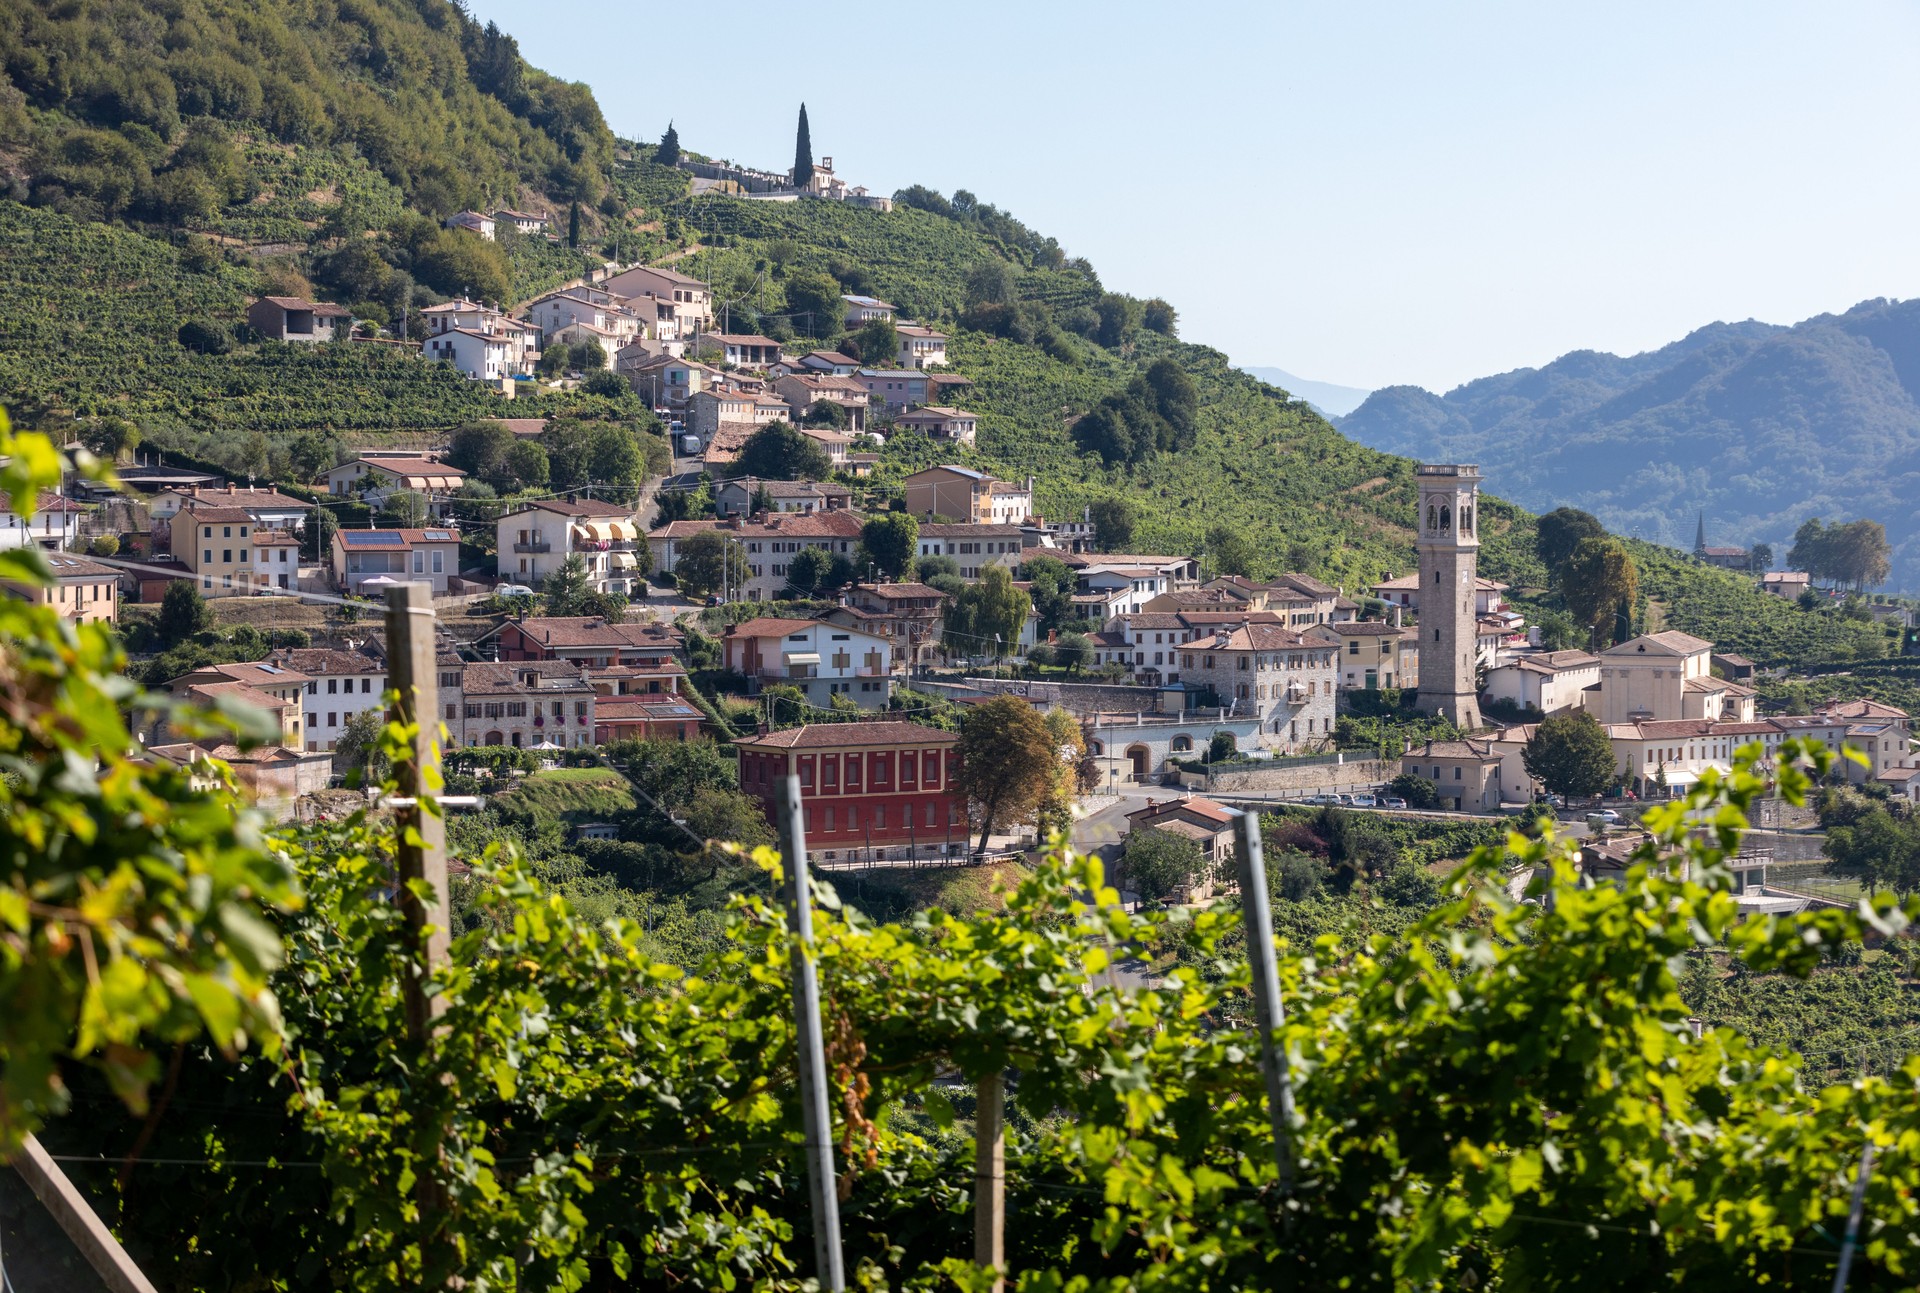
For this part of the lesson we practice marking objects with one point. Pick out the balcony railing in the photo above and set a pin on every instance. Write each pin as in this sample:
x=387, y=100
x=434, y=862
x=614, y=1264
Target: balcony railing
x=603, y=545
x=534, y=545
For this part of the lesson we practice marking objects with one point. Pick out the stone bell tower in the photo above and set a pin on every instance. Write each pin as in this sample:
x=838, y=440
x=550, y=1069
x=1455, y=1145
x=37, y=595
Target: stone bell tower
x=1449, y=565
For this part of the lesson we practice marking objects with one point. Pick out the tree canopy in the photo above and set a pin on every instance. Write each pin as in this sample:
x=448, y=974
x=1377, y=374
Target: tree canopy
x=1570, y=755
x=890, y=541
x=1855, y=554
x=986, y=617
x=1009, y=762
x=1597, y=581
x=778, y=451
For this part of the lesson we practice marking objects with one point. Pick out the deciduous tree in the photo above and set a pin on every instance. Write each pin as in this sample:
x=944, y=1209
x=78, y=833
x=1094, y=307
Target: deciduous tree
x=1159, y=864
x=1007, y=763
x=1571, y=755
x=710, y=563
x=986, y=618
x=1596, y=581
x=890, y=541
x=1112, y=524
x=1560, y=531
x=779, y=451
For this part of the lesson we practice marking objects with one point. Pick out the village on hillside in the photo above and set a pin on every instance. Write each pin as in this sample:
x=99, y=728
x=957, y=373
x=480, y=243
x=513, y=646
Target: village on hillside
x=735, y=570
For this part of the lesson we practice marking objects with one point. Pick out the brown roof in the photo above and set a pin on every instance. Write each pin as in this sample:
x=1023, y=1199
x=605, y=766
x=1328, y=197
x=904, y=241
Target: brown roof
x=1853, y=709
x=969, y=530
x=891, y=591
x=1264, y=637
x=576, y=507
x=320, y=661
x=1672, y=641
x=815, y=735
x=493, y=679
x=66, y=566
x=593, y=631
x=218, y=515
x=1480, y=751
x=257, y=673
x=1368, y=629
x=412, y=467
x=236, y=496
x=767, y=626
x=1194, y=804
x=934, y=413
x=239, y=691
x=321, y=308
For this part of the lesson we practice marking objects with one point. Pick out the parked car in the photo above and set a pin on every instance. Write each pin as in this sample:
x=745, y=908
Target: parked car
x=1393, y=801
x=1365, y=801
x=513, y=590
x=1607, y=815
x=1344, y=800
x=1321, y=799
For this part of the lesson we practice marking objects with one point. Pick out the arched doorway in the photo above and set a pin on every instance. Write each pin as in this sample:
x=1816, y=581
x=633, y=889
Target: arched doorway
x=494, y=738
x=1137, y=755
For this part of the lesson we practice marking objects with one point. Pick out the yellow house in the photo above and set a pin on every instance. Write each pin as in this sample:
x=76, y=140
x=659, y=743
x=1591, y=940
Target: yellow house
x=1373, y=654
x=216, y=544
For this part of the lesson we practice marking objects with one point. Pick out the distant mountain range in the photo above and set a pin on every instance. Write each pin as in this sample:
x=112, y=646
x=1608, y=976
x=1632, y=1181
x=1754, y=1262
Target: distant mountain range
x=1757, y=425
x=1330, y=400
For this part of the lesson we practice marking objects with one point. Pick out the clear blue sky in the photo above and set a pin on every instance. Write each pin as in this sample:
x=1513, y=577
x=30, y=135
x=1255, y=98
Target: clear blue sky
x=1358, y=193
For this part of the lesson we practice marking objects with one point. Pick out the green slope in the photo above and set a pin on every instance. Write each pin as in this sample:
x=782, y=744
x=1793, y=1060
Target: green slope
x=240, y=148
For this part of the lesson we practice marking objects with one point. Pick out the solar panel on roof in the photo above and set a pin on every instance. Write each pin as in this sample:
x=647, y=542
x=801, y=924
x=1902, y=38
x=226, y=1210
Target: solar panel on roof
x=361, y=538
x=442, y=535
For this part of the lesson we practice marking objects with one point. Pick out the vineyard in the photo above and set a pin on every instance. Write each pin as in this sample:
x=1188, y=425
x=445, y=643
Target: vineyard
x=88, y=317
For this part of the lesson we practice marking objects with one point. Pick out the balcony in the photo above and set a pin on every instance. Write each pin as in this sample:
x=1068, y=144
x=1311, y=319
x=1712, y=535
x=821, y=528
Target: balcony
x=533, y=545
x=604, y=545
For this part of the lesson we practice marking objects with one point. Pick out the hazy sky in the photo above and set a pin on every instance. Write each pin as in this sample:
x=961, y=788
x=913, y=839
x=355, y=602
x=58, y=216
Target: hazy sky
x=1358, y=193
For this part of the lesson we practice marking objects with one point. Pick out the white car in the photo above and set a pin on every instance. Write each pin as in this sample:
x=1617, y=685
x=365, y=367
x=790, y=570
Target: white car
x=1606, y=815
x=513, y=590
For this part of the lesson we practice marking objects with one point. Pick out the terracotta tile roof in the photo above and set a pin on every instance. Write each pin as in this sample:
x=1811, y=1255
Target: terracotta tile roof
x=767, y=626
x=504, y=677
x=970, y=530
x=1857, y=709
x=592, y=631
x=1671, y=642
x=574, y=507
x=320, y=662
x=1194, y=804
x=1480, y=751
x=258, y=673
x=830, y=735
x=892, y=592
x=66, y=566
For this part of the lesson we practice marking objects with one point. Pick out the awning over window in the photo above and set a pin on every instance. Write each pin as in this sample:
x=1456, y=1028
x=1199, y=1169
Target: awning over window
x=802, y=657
x=606, y=531
x=623, y=560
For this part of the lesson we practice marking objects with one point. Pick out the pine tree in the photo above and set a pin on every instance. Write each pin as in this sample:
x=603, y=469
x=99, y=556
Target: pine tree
x=802, y=153
x=668, y=153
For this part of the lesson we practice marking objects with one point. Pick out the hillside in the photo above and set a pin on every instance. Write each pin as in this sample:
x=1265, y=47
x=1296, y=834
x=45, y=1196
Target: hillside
x=1758, y=426
x=99, y=270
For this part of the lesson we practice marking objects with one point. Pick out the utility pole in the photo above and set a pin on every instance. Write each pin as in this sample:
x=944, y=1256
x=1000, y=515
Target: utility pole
x=810, y=1049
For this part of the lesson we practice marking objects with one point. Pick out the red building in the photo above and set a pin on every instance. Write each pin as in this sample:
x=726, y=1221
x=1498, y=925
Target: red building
x=867, y=789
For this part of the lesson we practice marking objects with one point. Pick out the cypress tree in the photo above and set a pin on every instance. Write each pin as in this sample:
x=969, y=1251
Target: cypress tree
x=573, y=225
x=802, y=153
x=668, y=153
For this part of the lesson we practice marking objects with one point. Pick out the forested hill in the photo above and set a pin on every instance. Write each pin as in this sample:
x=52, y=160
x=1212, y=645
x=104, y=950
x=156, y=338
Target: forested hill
x=167, y=162
x=124, y=108
x=1758, y=426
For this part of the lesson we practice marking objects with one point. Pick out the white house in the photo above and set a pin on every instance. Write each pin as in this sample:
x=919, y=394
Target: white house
x=481, y=356
x=687, y=298
x=535, y=540
x=823, y=660
x=377, y=475
x=54, y=523
x=339, y=685
x=386, y=557
x=974, y=546
x=614, y=325
x=941, y=423
x=472, y=222
x=921, y=347
x=527, y=222
x=864, y=309
x=1545, y=681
